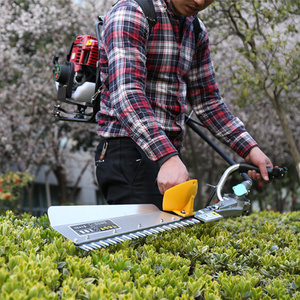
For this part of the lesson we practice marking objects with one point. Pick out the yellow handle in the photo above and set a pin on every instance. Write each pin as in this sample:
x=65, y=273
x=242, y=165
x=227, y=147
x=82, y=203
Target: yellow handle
x=180, y=198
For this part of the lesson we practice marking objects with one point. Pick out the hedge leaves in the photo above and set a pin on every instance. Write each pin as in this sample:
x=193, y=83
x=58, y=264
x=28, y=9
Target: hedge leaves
x=251, y=257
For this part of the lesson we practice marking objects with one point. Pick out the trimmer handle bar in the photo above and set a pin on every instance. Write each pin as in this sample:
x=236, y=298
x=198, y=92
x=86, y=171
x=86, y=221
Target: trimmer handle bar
x=273, y=173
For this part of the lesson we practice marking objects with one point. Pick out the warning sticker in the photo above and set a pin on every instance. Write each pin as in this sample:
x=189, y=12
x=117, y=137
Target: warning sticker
x=94, y=227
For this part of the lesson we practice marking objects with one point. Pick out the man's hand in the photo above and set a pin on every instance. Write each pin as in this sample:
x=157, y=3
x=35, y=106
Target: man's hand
x=259, y=159
x=171, y=173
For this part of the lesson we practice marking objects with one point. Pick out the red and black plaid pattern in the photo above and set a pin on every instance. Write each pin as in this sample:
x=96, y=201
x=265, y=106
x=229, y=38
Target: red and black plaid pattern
x=153, y=77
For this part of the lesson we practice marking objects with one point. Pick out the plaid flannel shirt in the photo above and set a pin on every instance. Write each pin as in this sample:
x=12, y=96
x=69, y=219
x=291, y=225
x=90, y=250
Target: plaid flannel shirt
x=153, y=77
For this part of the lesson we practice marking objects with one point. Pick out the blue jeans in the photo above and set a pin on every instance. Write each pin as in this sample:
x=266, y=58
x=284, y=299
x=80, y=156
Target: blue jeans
x=126, y=175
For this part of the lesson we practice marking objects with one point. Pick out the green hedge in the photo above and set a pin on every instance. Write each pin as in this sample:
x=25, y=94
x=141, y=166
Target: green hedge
x=253, y=257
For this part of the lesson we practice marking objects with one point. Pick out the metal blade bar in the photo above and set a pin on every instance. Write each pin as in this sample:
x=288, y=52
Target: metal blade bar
x=103, y=243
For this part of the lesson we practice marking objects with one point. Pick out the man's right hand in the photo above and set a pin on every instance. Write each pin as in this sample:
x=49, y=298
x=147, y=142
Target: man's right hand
x=171, y=173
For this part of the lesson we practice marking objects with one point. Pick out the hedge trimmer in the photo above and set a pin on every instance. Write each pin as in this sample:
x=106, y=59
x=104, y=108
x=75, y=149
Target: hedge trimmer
x=91, y=227
x=98, y=226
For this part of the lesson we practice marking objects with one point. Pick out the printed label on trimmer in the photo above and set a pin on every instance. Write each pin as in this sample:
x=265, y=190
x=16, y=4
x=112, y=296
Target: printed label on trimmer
x=94, y=227
x=206, y=217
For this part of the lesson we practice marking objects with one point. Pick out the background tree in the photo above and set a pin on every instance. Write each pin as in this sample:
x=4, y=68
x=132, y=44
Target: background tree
x=31, y=33
x=262, y=39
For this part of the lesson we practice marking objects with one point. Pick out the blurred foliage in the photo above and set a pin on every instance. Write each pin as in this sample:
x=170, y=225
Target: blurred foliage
x=12, y=186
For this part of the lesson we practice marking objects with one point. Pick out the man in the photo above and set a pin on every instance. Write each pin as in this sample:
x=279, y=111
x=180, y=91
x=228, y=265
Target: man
x=151, y=79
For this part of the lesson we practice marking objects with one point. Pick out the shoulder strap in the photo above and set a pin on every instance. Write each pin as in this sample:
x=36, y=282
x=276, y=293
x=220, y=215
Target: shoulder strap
x=197, y=28
x=149, y=11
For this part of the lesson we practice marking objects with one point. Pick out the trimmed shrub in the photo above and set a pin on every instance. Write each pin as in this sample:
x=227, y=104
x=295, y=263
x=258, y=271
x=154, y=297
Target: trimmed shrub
x=251, y=257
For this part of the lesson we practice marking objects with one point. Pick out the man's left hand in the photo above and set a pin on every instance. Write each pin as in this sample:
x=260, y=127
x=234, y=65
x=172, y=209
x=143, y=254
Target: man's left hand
x=259, y=159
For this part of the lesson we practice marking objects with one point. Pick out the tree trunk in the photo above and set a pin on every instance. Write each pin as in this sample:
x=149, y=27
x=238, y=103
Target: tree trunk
x=29, y=190
x=75, y=187
x=62, y=184
x=288, y=133
x=47, y=187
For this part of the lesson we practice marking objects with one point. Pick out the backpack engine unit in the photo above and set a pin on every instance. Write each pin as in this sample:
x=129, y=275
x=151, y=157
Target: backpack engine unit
x=76, y=79
x=79, y=70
